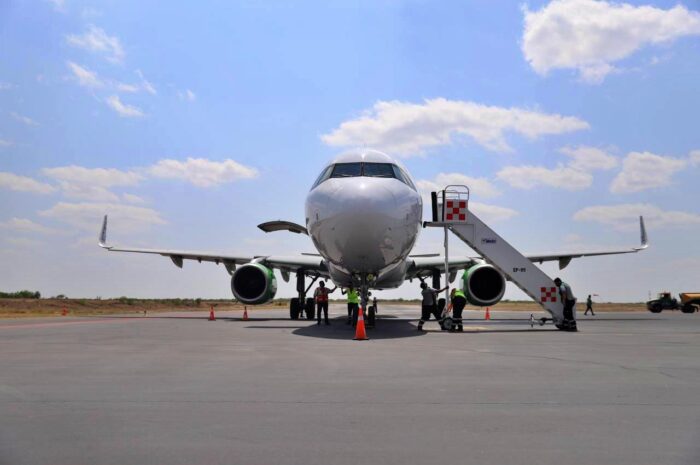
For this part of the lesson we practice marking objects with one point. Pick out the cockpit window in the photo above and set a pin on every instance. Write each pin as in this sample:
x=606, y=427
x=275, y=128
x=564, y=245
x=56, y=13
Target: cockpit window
x=378, y=170
x=325, y=174
x=403, y=177
x=347, y=170
x=373, y=170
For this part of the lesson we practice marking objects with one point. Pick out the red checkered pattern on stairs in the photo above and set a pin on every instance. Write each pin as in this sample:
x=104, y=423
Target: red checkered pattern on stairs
x=549, y=294
x=456, y=210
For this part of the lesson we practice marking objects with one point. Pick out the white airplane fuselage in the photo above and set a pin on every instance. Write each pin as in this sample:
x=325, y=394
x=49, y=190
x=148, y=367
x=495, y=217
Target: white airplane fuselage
x=364, y=224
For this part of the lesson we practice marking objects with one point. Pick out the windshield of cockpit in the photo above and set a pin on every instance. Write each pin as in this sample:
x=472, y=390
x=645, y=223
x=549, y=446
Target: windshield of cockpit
x=366, y=169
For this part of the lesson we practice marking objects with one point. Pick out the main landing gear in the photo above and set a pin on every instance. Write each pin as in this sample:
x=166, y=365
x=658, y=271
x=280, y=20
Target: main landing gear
x=301, y=304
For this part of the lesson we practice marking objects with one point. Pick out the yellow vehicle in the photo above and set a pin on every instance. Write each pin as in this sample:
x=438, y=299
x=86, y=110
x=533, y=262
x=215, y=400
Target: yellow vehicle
x=690, y=302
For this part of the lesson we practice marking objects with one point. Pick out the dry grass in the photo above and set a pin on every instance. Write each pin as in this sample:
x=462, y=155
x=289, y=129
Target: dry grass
x=18, y=308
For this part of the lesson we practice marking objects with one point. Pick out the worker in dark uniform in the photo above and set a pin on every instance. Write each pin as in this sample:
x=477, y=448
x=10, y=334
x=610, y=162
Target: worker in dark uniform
x=589, y=306
x=569, y=301
x=321, y=297
x=429, y=305
x=458, y=300
x=353, y=303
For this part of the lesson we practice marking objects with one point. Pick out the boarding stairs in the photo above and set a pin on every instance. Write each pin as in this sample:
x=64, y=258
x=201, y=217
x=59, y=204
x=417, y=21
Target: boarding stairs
x=451, y=212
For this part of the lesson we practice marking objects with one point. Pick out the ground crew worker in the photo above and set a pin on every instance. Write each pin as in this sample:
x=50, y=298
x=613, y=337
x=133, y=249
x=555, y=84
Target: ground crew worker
x=321, y=296
x=589, y=306
x=569, y=300
x=353, y=304
x=458, y=300
x=429, y=305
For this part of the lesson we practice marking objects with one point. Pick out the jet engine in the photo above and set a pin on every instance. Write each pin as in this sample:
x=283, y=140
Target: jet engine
x=253, y=284
x=483, y=285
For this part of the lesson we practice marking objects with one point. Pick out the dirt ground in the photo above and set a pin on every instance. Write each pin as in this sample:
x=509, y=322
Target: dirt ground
x=18, y=308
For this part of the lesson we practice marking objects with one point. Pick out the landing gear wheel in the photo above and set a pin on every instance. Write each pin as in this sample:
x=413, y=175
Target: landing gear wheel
x=310, y=309
x=294, y=308
x=371, y=316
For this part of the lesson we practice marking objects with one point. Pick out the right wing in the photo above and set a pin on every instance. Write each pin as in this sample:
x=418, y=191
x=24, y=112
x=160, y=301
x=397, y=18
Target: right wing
x=312, y=264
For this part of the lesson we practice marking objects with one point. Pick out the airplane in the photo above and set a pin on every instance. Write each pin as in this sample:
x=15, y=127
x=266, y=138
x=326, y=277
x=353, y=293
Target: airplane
x=363, y=215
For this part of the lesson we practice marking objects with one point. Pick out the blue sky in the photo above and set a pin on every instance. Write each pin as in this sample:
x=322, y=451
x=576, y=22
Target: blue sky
x=192, y=124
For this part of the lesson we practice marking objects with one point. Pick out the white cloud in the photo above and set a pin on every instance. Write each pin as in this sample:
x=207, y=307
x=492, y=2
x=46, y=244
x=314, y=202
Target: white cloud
x=590, y=36
x=23, y=184
x=131, y=198
x=574, y=175
x=562, y=177
x=130, y=88
x=626, y=216
x=202, y=172
x=145, y=84
x=645, y=170
x=97, y=40
x=491, y=213
x=22, y=242
x=91, y=183
x=24, y=225
x=85, y=77
x=5, y=86
x=480, y=187
x=589, y=158
x=90, y=79
x=58, y=5
x=104, y=177
x=123, y=109
x=187, y=94
x=88, y=216
x=694, y=157
x=6, y=143
x=24, y=119
x=408, y=128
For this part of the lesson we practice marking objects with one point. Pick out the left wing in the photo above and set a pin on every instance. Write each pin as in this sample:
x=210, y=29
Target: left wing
x=286, y=264
x=425, y=266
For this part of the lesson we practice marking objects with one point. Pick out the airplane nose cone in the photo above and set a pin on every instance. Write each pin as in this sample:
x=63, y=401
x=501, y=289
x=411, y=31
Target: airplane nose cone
x=364, y=224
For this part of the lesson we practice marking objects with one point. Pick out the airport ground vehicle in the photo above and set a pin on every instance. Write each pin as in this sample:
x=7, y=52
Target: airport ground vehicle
x=689, y=303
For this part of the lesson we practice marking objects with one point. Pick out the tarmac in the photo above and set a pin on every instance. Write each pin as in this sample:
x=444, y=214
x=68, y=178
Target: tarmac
x=178, y=389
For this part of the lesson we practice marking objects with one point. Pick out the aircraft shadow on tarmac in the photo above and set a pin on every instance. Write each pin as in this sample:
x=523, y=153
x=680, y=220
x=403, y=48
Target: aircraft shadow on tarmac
x=386, y=328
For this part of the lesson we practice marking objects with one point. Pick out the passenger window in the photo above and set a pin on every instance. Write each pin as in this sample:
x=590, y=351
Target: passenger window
x=347, y=170
x=378, y=170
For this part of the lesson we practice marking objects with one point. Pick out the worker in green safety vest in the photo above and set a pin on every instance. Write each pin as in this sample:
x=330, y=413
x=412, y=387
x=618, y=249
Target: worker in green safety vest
x=458, y=300
x=353, y=304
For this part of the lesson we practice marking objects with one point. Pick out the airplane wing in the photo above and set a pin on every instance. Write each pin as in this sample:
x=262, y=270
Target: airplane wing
x=424, y=266
x=286, y=264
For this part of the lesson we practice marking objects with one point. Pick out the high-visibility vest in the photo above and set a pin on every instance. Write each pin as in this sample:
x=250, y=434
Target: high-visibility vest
x=353, y=298
x=322, y=294
x=460, y=293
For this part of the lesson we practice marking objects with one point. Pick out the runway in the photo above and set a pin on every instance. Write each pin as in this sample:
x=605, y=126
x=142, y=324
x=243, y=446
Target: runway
x=178, y=389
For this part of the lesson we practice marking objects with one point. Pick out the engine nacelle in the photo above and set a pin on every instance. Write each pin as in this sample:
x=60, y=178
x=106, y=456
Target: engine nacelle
x=253, y=284
x=483, y=285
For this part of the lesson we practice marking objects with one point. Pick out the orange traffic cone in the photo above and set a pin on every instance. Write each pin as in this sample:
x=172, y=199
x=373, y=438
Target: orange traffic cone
x=64, y=312
x=360, y=333
x=488, y=314
x=211, y=314
x=245, y=313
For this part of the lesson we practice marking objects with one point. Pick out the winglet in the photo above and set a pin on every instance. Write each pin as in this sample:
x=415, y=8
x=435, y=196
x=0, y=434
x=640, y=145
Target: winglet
x=643, y=233
x=103, y=235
